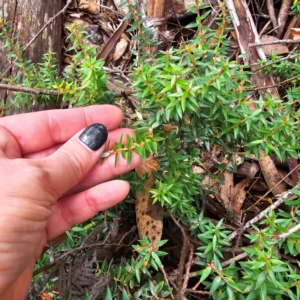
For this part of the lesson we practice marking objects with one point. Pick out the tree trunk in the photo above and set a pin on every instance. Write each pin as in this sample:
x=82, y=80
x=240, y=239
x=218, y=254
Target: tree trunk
x=26, y=18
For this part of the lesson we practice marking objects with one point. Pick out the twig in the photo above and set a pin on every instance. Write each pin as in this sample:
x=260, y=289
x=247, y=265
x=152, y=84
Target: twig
x=177, y=20
x=287, y=234
x=259, y=44
x=182, y=285
x=188, y=267
x=290, y=56
x=167, y=278
x=274, y=85
x=245, y=254
x=182, y=254
x=198, y=292
x=271, y=189
x=283, y=16
x=271, y=11
x=106, y=50
x=35, y=91
x=236, y=258
x=18, y=88
x=266, y=211
x=258, y=217
x=34, y=38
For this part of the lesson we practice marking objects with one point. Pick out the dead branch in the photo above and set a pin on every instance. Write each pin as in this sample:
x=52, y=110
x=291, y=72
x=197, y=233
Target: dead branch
x=279, y=238
x=35, y=91
x=182, y=285
x=290, y=56
x=24, y=89
x=259, y=44
x=271, y=11
x=274, y=85
x=113, y=40
x=263, y=214
x=283, y=16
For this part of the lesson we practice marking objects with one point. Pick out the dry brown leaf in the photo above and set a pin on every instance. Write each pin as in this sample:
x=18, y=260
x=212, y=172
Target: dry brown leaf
x=198, y=170
x=89, y=6
x=67, y=60
x=113, y=40
x=76, y=15
x=282, y=174
x=296, y=33
x=271, y=174
x=239, y=195
x=120, y=48
x=276, y=49
x=248, y=169
x=148, y=216
x=169, y=127
x=259, y=185
x=225, y=191
x=234, y=35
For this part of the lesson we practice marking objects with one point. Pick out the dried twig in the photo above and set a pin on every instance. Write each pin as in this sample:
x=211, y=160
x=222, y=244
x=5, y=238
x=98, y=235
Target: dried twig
x=35, y=91
x=182, y=285
x=236, y=258
x=271, y=11
x=283, y=16
x=290, y=232
x=259, y=44
x=279, y=238
x=290, y=56
x=274, y=85
x=113, y=40
x=182, y=254
x=18, y=88
x=261, y=215
x=271, y=207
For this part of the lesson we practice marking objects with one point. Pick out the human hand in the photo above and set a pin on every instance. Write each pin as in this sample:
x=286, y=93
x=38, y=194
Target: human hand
x=50, y=180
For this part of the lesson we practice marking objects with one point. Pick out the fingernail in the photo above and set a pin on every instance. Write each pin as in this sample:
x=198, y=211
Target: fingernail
x=94, y=136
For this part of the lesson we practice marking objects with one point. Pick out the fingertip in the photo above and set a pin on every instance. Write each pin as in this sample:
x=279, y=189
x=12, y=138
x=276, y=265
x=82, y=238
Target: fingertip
x=124, y=185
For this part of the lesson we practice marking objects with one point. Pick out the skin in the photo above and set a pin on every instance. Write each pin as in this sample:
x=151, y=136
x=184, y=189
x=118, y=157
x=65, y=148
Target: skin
x=50, y=181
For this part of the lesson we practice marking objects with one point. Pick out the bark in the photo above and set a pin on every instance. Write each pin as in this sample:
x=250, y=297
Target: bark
x=25, y=18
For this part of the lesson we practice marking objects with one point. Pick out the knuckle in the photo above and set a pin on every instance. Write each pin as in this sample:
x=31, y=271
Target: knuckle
x=66, y=214
x=74, y=162
x=91, y=202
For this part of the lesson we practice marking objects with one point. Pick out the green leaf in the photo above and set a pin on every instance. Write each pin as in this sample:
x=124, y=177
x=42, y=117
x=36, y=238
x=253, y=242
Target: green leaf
x=129, y=157
x=231, y=283
x=263, y=291
x=137, y=273
x=179, y=111
x=261, y=278
x=230, y=294
x=116, y=160
x=173, y=81
x=156, y=258
x=129, y=277
x=77, y=229
x=205, y=273
x=124, y=295
x=256, y=142
x=108, y=295
x=290, y=245
x=215, y=284
x=258, y=265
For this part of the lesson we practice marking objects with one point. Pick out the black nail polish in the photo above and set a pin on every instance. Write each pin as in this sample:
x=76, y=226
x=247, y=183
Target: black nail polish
x=94, y=136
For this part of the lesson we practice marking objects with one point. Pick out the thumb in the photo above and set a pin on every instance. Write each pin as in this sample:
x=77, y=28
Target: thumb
x=73, y=161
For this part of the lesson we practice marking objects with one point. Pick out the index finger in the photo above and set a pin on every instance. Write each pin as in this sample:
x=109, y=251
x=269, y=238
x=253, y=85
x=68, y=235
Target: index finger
x=40, y=130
